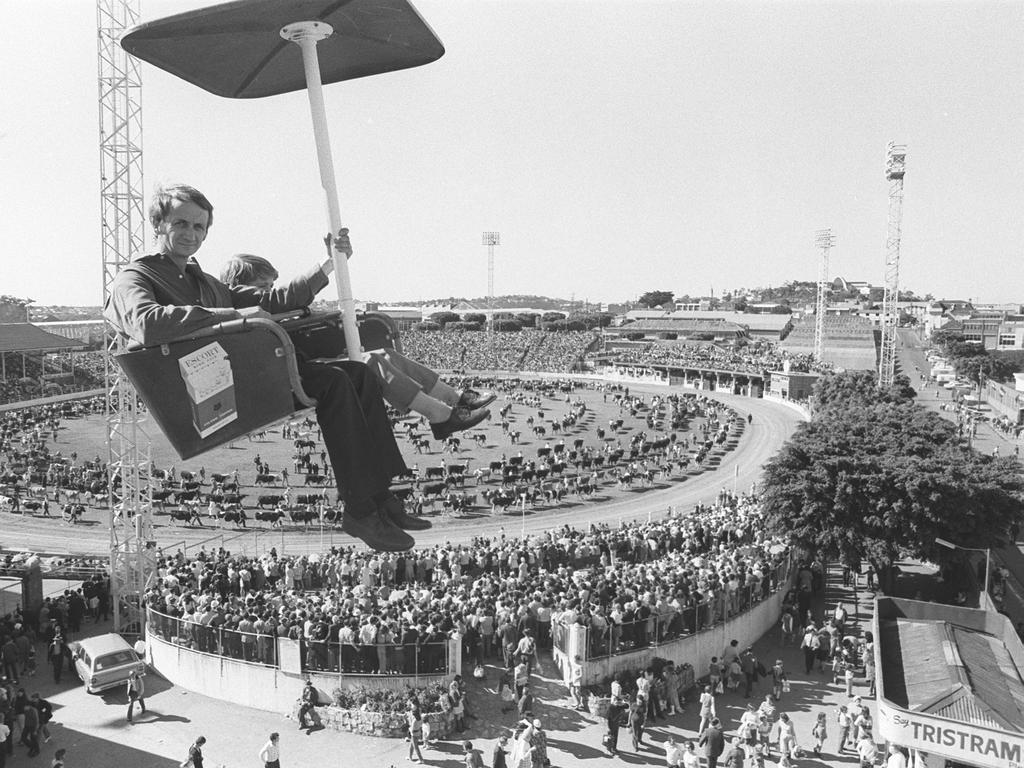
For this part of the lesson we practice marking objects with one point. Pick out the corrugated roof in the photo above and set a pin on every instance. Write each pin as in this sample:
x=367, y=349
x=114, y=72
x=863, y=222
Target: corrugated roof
x=952, y=671
x=25, y=337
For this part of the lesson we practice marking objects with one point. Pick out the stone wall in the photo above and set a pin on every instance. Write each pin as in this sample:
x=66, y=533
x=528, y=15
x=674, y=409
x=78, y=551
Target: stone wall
x=382, y=724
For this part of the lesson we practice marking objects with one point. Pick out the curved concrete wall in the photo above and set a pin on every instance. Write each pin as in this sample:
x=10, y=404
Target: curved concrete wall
x=255, y=685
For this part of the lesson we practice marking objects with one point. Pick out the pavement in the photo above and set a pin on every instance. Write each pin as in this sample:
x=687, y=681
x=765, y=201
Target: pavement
x=94, y=731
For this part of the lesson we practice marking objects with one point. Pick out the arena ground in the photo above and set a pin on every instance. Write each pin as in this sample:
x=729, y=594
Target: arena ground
x=739, y=468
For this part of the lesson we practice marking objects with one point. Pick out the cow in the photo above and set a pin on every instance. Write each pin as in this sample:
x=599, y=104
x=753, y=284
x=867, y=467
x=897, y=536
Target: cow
x=311, y=498
x=315, y=479
x=183, y=496
x=233, y=498
x=304, y=516
x=539, y=431
x=482, y=474
x=434, y=472
x=235, y=516
x=266, y=480
x=275, y=517
x=217, y=477
x=422, y=445
x=229, y=487
x=187, y=476
x=269, y=500
x=186, y=514
x=72, y=513
x=434, y=489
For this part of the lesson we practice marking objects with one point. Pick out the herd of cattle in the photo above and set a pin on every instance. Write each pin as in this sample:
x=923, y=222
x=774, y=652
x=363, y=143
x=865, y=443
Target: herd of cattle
x=620, y=459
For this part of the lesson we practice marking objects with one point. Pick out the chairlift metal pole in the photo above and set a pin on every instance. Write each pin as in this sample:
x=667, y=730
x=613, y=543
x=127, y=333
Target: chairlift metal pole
x=306, y=34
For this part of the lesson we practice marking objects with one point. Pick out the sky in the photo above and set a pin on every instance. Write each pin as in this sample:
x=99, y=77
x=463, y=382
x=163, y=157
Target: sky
x=617, y=146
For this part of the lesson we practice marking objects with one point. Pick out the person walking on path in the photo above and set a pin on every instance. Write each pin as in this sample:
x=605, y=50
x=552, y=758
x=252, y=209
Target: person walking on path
x=820, y=733
x=809, y=645
x=614, y=720
x=867, y=752
x=713, y=741
x=707, y=709
x=844, y=721
x=787, y=735
x=195, y=753
x=414, y=719
x=734, y=757
x=270, y=753
x=779, y=680
x=55, y=655
x=637, y=721
x=136, y=692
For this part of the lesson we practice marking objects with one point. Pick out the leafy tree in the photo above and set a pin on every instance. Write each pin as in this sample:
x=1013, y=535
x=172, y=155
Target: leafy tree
x=655, y=298
x=443, y=318
x=426, y=325
x=507, y=324
x=475, y=317
x=527, y=319
x=880, y=482
x=550, y=317
x=740, y=305
x=462, y=326
x=858, y=388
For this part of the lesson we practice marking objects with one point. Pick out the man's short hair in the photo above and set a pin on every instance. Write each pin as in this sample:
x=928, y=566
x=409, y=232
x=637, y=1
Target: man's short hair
x=164, y=195
x=246, y=269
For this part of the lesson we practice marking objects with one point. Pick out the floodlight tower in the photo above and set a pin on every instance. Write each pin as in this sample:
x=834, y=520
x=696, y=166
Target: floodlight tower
x=823, y=239
x=490, y=239
x=123, y=226
x=895, y=167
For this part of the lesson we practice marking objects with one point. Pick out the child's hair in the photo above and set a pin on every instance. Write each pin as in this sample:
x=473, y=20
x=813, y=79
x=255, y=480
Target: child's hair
x=821, y=716
x=246, y=269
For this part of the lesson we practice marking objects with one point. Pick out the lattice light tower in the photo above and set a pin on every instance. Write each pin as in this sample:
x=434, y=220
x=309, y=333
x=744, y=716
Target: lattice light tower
x=490, y=239
x=823, y=239
x=123, y=227
x=895, y=167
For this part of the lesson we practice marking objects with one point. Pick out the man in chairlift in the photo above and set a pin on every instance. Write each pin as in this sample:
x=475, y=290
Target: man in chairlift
x=163, y=296
x=406, y=384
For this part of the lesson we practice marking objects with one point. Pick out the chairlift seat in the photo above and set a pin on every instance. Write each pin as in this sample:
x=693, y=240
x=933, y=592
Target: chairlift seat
x=264, y=386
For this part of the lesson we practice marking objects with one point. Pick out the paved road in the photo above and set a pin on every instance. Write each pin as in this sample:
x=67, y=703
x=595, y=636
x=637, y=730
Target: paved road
x=773, y=423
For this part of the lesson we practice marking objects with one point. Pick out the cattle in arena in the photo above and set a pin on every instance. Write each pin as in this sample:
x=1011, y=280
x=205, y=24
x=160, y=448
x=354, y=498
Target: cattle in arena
x=187, y=476
x=406, y=474
x=266, y=479
x=159, y=496
x=234, y=516
x=539, y=431
x=72, y=513
x=186, y=514
x=312, y=479
x=217, y=477
x=434, y=489
x=451, y=445
x=184, y=496
x=311, y=498
x=422, y=445
x=269, y=500
x=433, y=472
x=482, y=474
x=304, y=516
x=495, y=466
x=274, y=517
x=229, y=487
x=191, y=485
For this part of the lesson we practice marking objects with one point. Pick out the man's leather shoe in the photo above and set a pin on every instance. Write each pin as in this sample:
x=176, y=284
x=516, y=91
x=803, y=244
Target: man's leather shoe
x=472, y=399
x=393, y=509
x=461, y=418
x=377, y=532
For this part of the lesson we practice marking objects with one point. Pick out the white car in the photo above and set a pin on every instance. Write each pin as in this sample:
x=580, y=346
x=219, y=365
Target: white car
x=105, y=661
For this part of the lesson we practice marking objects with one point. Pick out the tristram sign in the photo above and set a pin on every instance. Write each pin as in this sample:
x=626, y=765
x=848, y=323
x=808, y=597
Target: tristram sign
x=961, y=742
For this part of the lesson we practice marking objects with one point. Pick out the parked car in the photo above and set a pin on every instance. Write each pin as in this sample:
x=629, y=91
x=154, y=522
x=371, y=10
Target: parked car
x=105, y=661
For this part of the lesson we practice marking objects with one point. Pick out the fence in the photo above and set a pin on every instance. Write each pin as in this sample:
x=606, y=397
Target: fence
x=251, y=647
x=410, y=658
x=616, y=639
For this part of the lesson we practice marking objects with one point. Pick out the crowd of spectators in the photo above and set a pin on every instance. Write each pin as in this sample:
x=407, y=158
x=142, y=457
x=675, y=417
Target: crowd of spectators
x=66, y=372
x=378, y=613
x=753, y=358
x=526, y=350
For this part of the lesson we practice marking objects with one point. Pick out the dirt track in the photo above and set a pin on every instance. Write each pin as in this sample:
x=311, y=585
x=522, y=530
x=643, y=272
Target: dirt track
x=773, y=423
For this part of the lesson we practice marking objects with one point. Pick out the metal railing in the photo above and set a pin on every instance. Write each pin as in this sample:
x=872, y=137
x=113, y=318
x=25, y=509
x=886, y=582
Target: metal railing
x=658, y=629
x=410, y=659
x=249, y=647
x=414, y=658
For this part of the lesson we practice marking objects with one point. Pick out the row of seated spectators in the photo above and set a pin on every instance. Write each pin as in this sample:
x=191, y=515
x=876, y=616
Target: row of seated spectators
x=754, y=358
x=527, y=350
x=379, y=613
x=75, y=372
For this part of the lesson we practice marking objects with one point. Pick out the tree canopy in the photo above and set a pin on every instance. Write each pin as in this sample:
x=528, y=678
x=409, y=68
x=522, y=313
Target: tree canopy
x=877, y=482
x=655, y=298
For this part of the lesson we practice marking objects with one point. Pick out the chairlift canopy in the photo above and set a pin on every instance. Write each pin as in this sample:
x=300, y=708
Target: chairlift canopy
x=236, y=50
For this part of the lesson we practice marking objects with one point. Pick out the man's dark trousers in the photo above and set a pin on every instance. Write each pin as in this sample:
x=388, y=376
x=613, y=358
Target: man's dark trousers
x=355, y=426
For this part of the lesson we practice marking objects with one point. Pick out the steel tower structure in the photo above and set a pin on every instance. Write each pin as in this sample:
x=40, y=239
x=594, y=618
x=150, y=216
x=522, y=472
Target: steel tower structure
x=490, y=239
x=123, y=226
x=823, y=239
x=895, y=167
